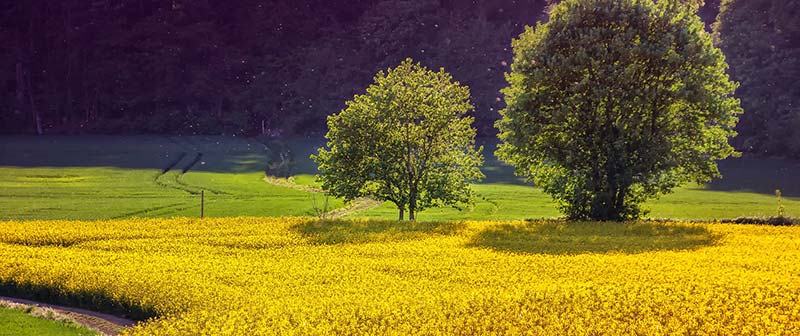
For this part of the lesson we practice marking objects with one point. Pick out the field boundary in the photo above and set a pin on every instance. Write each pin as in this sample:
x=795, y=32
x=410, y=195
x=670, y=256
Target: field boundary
x=152, y=209
x=105, y=324
x=353, y=207
x=288, y=182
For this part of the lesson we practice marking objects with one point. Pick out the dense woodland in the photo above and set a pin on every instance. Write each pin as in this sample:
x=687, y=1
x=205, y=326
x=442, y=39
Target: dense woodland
x=267, y=67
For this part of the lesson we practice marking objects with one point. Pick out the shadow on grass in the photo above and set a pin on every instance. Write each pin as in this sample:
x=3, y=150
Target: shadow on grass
x=96, y=300
x=758, y=175
x=570, y=238
x=368, y=231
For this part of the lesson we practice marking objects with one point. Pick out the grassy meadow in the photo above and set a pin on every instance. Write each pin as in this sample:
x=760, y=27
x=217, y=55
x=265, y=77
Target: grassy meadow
x=18, y=322
x=245, y=276
x=109, y=224
x=120, y=177
x=96, y=177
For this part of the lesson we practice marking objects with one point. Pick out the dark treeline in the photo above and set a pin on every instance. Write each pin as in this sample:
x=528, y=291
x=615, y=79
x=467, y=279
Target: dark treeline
x=761, y=39
x=280, y=67
x=237, y=66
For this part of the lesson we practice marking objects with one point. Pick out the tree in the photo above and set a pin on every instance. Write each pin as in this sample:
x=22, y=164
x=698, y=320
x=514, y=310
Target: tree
x=407, y=140
x=761, y=39
x=613, y=102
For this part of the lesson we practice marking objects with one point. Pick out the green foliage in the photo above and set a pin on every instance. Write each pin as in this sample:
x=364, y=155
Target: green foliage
x=761, y=41
x=781, y=209
x=774, y=220
x=614, y=102
x=408, y=140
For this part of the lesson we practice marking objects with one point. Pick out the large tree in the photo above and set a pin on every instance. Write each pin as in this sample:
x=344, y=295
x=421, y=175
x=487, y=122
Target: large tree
x=761, y=39
x=407, y=140
x=615, y=101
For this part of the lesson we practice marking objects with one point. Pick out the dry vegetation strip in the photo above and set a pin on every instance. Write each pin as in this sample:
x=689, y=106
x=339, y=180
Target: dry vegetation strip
x=301, y=276
x=98, y=322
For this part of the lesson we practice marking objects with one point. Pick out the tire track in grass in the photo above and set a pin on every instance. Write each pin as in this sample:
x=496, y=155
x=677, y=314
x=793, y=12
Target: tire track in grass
x=176, y=177
x=195, y=189
x=161, y=180
x=198, y=156
x=256, y=144
x=194, y=162
x=493, y=203
x=148, y=210
x=173, y=164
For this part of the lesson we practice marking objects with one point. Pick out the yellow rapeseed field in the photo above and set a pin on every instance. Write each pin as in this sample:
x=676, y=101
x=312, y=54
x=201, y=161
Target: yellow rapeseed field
x=302, y=276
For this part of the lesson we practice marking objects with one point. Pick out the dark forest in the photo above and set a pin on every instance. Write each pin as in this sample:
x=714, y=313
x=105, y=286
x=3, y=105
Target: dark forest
x=264, y=67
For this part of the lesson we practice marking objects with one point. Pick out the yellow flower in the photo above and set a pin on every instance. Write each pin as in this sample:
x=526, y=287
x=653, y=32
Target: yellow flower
x=299, y=276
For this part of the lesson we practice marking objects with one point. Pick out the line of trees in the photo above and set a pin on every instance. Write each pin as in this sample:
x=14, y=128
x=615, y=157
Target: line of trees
x=280, y=67
x=238, y=66
x=761, y=39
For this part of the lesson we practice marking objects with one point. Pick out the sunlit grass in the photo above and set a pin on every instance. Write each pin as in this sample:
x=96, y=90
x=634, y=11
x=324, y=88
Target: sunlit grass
x=120, y=177
x=16, y=322
x=505, y=202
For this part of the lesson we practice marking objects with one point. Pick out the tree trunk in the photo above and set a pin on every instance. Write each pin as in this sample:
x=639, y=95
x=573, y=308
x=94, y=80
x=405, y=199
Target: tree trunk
x=67, y=112
x=412, y=205
x=622, y=191
x=37, y=120
x=220, y=114
x=402, y=210
x=20, y=84
x=87, y=111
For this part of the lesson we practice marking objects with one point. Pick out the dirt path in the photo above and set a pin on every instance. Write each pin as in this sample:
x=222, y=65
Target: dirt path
x=355, y=206
x=288, y=183
x=103, y=323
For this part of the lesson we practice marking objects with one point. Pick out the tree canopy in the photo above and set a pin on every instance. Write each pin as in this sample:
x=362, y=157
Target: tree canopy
x=407, y=140
x=761, y=39
x=612, y=102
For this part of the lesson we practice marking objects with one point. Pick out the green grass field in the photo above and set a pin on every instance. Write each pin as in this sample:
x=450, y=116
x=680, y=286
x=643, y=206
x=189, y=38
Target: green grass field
x=746, y=190
x=97, y=177
x=15, y=322
x=119, y=177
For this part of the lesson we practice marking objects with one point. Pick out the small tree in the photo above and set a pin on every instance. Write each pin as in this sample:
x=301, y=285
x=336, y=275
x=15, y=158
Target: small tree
x=613, y=102
x=408, y=140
